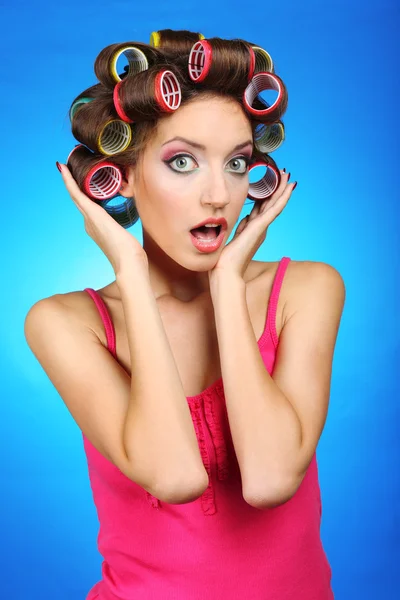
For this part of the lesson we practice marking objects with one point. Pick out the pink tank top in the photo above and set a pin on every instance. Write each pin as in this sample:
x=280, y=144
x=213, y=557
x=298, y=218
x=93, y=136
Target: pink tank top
x=217, y=547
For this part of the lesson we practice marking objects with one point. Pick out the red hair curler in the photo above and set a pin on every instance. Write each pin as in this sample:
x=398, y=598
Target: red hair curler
x=266, y=186
x=201, y=57
x=167, y=94
x=120, y=111
x=73, y=150
x=103, y=181
x=260, y=82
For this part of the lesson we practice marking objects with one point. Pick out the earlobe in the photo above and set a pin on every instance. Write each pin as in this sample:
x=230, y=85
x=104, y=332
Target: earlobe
x=126, y=190
x=127, y=187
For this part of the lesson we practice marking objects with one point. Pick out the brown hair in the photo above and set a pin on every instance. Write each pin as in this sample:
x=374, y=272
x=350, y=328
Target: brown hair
x=96, y=123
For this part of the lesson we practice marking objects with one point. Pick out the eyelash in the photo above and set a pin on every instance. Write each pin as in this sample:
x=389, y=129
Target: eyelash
x=247, y=160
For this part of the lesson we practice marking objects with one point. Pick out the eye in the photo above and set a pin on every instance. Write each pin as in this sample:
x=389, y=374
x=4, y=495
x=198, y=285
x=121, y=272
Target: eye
x=236, y=160
x=181, y=161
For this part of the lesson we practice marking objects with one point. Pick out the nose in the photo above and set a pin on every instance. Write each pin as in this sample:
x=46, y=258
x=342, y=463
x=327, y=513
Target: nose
x=216, y=191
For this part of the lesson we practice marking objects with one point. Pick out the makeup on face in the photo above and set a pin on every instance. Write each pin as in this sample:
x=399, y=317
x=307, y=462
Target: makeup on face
x=204, y=239
x=179, y=146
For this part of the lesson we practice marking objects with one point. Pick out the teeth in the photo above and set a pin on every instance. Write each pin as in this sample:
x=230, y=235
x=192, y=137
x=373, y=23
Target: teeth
x=211, y=225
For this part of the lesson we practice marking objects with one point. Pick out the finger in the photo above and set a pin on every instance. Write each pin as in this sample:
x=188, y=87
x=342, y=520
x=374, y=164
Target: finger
x=274, y=209
x=282, y=188
x=80, y=199
x=255, y=211
x=241, y=225
x=282, y=185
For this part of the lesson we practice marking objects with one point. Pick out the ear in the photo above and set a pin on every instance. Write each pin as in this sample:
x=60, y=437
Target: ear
x=128, y=182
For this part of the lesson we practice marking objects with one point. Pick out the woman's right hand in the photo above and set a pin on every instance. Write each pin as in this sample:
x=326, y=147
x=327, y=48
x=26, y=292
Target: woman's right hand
x=116, y=243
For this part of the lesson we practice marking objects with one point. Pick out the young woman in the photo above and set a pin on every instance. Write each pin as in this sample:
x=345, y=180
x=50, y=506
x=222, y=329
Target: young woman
x=200, y=377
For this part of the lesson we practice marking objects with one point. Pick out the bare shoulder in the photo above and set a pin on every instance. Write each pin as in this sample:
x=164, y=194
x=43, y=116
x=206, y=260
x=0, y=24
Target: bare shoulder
x=307, y=276
x=307, y=281
x=76, y=306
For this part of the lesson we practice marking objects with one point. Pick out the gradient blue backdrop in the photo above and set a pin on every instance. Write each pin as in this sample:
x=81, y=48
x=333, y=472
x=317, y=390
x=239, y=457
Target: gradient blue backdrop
x=338, y=62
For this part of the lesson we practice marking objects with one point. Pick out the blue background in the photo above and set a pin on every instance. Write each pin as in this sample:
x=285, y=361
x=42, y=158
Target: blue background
x=338, y=62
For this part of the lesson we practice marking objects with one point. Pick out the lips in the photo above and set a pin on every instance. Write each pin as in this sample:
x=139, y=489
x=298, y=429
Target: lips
x=208, y=245
x=213, y=221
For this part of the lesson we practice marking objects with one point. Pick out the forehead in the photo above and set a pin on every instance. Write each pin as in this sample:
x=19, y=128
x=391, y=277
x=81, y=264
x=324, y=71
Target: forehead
x=205, y=120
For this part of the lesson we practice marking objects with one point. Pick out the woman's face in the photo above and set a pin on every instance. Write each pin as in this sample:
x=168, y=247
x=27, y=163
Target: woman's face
x=179, y=184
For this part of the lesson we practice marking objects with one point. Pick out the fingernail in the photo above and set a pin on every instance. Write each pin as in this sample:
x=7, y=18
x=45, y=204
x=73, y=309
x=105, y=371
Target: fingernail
x=58, y=166
x=294, y=186
x=288, y=177
x=284, y=170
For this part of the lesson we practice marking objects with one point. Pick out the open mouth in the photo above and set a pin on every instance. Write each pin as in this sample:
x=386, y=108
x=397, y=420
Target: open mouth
x=206, y=233
x=207, y=239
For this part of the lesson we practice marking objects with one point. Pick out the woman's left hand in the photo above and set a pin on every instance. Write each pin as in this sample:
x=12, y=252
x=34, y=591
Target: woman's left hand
x=251, y=231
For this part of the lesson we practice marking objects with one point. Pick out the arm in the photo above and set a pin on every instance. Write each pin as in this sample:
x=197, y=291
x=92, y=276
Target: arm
x=158, y=432
x=276, y=421
x=142, y=423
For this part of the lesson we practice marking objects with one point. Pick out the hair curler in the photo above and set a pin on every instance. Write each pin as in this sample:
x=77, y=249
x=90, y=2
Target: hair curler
x=260, y=82
x=77, y=105
x=268, y=138
x=263, y=60
x=125, y=213
x=137, y=61
x=102, y=180
x=155, y=39
x=200, y=63
x=166, y=89
x=266, y=186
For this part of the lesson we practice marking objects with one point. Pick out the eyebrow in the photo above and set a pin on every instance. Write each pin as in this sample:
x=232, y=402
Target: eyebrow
x=201, y=147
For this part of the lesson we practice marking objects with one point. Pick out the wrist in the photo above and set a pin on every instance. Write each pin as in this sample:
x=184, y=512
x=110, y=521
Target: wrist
x=131, y=270
x=224, y=281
